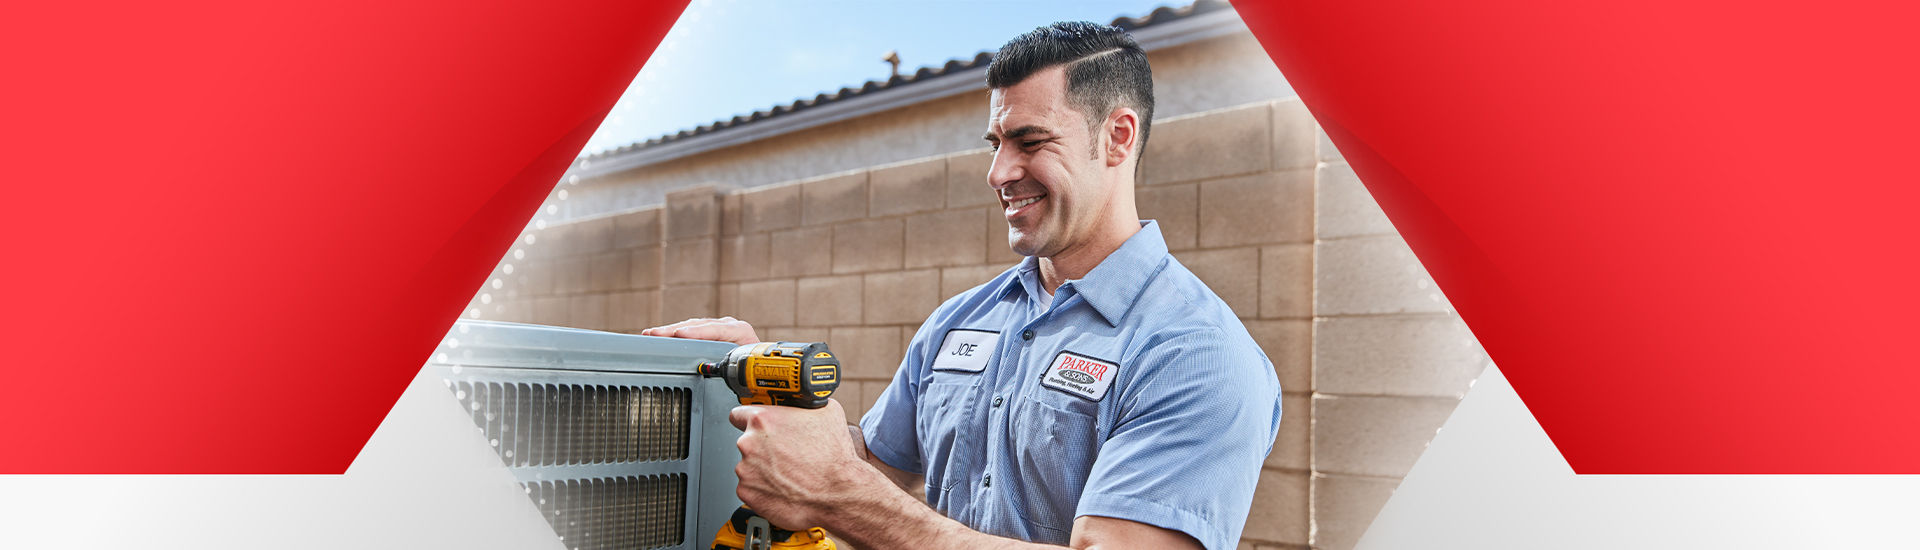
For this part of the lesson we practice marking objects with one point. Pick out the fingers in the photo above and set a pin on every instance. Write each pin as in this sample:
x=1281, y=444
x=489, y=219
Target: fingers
x=724, y=329
x=667, y=330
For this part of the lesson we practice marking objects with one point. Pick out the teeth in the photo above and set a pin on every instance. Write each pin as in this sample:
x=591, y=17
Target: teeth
x=1023, y=203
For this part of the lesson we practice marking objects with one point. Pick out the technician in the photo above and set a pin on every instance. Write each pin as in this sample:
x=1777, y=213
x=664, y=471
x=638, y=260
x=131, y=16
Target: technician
x=1097, y=395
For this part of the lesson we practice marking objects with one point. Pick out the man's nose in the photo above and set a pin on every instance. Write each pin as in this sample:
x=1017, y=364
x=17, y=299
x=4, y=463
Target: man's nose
x=1006, y=169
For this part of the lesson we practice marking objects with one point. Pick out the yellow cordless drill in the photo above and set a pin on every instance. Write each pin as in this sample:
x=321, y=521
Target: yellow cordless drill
x=790, y=374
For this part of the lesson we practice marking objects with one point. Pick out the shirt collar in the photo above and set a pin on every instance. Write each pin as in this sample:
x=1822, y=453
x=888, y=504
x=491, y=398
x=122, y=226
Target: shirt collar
x=1114, y=285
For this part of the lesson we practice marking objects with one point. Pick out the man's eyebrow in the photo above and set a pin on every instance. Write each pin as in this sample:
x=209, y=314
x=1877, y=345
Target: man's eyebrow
x=1020, y=132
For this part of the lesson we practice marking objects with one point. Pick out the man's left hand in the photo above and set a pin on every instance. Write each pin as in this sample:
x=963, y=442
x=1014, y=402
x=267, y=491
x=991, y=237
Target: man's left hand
x=793, y=460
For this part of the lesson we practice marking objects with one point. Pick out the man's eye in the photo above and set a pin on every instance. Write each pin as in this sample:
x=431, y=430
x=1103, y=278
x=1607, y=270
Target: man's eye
x=1031, y=144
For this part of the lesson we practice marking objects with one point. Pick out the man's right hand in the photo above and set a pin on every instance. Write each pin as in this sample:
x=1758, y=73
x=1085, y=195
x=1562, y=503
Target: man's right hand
x=724, y=329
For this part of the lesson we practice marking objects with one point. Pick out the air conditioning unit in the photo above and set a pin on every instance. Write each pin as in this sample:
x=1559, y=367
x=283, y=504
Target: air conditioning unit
x=614, y=437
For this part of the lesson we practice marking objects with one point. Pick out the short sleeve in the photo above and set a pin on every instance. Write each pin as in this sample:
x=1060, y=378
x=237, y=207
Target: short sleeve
x=1191, y=435
x=890, y=427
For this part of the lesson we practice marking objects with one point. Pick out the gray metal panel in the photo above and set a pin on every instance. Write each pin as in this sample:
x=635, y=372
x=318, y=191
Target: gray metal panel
x=615, y=384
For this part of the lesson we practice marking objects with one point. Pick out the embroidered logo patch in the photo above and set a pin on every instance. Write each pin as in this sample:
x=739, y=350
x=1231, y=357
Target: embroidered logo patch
x=1080, y=375
x=966, y=350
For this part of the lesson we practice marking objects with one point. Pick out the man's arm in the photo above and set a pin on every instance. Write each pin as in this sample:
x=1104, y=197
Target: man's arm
x=828, y=485
x=914, y=484
x=857, y=496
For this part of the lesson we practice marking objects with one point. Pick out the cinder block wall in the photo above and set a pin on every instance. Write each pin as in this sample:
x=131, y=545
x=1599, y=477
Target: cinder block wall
x=1253, y=199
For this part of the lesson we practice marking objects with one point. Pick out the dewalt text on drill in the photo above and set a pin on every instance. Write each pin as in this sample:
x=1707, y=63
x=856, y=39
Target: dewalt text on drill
x=787, y=374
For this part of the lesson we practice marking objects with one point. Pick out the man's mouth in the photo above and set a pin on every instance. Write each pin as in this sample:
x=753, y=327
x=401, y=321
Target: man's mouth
x=1019, y=206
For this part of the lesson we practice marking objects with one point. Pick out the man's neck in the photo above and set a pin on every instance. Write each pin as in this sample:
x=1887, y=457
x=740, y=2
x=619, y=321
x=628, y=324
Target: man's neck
x=1076, y=262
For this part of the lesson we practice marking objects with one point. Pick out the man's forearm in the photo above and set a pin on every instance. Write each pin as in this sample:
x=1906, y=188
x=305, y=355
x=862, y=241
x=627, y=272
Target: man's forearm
x=876, y=515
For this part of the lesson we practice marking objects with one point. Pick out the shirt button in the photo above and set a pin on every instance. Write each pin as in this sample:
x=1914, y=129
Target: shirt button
x=1027, y=335
x=986, y=481
x=996, y=401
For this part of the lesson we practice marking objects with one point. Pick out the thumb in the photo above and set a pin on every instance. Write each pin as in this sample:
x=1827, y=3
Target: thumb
x=743, y=415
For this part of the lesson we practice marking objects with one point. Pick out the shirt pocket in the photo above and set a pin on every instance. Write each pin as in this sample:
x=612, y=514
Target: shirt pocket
x=943, y=419
x=1055, y=444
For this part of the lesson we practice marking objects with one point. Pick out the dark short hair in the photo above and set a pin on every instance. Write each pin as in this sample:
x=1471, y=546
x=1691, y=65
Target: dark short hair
x=1106, y=69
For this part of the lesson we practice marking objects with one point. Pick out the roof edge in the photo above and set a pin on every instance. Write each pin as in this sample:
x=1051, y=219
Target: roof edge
x=1200, y=26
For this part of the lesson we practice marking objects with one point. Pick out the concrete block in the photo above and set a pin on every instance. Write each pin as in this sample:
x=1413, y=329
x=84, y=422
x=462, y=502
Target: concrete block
x=967, y=179
x=553, y=242
x=1366, y=275
x=1288, y=343
x=637, y=229
x=1343, y=507
x=1344, y=208
x=829, y=301
x=945, y=238
x=1280, y=508
x=744, y=257
x=1292, y=448
x=767, y=303
x=590, y=237
x=873, y=245
x=1176, y=209
x=1212, y=144
x=730, y=214
x=850, y=395
x=867, y=353
x=535, y=276
x=770, y=209
x=608, y=271
x=682, y=302
x=551, y=310
x=796, y=334
x=1271, y=207
x=693, y=212
x=998, y=250
x=1328, y=152
x=643, y=269
x=1286, y=281
x=691, y=261
x=955, y=280
x=633, y=311
x=901, y=297
x=916, y=186
x=727, y=300
x=870, y=393
x=801, y=252
x=571, y=275
x=1427, y=355
x=1375, y=436
x=834, y=199
x=587, y=311
x=1294, y=141
x=548, y=243
x=1233, y=274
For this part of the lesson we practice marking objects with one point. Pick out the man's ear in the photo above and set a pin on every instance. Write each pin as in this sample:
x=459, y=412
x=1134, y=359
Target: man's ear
x=1123, y=135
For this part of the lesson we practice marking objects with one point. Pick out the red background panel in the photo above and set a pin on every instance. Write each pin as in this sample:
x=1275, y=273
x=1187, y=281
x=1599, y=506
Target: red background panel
x=1684, y=230
x=237, y=229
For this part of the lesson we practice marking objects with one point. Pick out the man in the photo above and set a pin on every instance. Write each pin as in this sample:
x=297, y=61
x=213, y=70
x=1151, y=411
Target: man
x=1097, y=395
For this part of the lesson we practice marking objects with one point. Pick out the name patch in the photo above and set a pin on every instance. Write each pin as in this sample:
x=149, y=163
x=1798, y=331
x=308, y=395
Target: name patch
x=966, y=350
x=1080, y=375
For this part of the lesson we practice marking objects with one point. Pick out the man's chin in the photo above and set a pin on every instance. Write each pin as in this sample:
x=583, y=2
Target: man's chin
x=1027, y=246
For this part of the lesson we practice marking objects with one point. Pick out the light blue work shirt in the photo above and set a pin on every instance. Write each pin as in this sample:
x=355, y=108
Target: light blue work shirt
x=1134, y=393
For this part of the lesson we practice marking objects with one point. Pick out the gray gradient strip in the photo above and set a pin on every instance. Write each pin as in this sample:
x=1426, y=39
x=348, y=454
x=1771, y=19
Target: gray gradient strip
x=1492, y=480
x=423, y=481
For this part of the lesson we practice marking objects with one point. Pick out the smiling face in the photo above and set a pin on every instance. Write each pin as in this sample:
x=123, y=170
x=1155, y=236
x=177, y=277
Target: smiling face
x=1047, y=168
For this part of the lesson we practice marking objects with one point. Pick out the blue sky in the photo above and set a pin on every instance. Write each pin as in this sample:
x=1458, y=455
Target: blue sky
x=730, y=57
